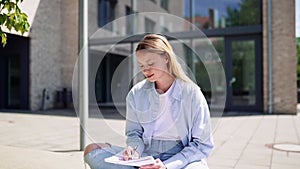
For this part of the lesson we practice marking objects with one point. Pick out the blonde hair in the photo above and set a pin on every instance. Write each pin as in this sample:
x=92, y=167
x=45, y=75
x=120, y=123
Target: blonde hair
x=155, y=42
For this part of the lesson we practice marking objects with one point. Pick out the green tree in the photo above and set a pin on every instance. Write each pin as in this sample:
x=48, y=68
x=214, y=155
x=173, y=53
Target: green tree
x=12, y=17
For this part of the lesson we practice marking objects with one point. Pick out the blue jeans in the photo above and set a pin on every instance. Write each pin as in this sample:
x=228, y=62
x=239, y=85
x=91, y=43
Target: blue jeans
x=162, y=149
x=158, y=149
x=95, y=158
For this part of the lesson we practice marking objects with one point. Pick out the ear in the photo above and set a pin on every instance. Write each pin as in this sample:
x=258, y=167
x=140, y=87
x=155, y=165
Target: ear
x=166, y=58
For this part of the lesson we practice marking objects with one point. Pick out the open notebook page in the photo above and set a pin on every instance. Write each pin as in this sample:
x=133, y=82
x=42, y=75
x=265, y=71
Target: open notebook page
x=118, y=159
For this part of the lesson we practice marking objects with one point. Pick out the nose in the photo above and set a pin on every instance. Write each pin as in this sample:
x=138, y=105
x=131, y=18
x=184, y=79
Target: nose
x=146, y=68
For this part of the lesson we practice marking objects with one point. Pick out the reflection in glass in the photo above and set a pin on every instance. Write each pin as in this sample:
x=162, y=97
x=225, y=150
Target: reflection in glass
x=243, y=81
x=205, y=14
x=206, y=65
x=212, y=14
x=111, y=10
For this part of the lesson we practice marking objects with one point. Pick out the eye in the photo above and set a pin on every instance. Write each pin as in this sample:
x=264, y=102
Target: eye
x=150, y=64
x=141, y=66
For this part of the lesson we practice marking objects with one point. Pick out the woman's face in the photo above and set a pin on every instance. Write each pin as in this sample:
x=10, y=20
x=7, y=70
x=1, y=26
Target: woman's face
x=153, y=65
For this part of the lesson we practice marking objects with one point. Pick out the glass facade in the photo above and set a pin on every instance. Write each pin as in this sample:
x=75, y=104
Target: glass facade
x=204, y=14
x=220, y=20
x=243, y=69
x=213, y=14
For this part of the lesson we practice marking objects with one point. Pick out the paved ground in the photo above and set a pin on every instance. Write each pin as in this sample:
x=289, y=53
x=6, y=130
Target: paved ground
x=50, y=139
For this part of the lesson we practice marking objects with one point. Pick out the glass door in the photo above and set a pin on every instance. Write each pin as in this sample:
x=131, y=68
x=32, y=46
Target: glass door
x=13, y=82
x=244, y=73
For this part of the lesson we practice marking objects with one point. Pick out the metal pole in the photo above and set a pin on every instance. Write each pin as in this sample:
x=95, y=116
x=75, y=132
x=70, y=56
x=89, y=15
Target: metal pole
x=133, y=13
x=134, y=30
x=270, y=61
x=190, y=61
x=191, y=13
x=83, y=73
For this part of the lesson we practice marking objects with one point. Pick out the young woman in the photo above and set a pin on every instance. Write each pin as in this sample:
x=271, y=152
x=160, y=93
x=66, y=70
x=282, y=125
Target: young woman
x=167, y=116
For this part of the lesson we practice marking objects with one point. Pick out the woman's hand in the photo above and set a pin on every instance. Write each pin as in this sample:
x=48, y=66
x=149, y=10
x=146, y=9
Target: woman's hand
x=158, y=165
x=130, y=153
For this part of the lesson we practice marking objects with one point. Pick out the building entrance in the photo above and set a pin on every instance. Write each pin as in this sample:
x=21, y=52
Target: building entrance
x=14, y=73
x=243, y=72
x=104, y=87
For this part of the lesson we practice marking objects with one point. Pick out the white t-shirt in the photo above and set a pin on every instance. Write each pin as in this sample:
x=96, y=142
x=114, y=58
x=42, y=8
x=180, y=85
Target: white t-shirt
x=165, y=128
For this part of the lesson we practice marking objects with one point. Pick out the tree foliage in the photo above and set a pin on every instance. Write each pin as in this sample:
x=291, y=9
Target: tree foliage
x=248, y=14
x=12, y=17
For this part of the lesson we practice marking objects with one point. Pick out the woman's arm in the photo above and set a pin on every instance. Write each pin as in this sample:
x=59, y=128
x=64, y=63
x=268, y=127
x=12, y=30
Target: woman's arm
x=134, y=130
x=200, y=142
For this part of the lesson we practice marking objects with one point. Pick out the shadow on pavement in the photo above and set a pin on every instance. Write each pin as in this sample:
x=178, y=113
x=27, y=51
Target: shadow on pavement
x=113, y=113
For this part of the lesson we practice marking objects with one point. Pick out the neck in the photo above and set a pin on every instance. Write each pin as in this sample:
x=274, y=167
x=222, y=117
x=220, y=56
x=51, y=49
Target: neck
x=164, y=84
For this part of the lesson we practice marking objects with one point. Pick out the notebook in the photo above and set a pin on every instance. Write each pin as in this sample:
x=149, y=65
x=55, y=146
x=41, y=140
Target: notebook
x=118, y=159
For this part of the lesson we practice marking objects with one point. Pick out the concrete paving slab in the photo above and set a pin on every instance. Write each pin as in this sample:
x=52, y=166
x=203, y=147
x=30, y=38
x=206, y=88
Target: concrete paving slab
x=284, y=158
x=52, y=141
x=24, y=158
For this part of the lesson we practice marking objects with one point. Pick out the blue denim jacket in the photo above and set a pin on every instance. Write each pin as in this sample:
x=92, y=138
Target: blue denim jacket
x=190, y=113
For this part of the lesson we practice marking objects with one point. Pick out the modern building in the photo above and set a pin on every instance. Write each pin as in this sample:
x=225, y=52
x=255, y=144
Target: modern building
x=255, y=40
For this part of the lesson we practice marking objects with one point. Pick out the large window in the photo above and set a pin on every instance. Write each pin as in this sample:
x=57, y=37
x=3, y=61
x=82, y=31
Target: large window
x=164, y=4
x=154, y=1
x=199, y=66
x=106, y=13
x=130, y=20
x=149, y=25
x=212, y=14
x=234, y=29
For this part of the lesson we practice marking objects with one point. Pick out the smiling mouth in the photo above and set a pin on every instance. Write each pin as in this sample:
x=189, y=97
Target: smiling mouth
x=150, y=76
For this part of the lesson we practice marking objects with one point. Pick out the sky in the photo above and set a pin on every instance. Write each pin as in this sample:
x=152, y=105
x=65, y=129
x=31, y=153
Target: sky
x=297, y=18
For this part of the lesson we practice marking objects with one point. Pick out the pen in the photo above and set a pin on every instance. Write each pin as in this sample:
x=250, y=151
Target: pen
x=133, y=153
x=135, y=148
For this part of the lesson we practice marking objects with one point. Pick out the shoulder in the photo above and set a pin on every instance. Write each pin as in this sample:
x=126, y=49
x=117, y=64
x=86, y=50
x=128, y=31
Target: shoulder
x=191, y=90
x=139, y=93
x=188, y=87
x=140, y=87
x=144, y=84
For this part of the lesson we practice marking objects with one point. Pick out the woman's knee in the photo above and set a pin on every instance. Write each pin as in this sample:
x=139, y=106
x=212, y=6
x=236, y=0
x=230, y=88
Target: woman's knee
x=94, y=146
